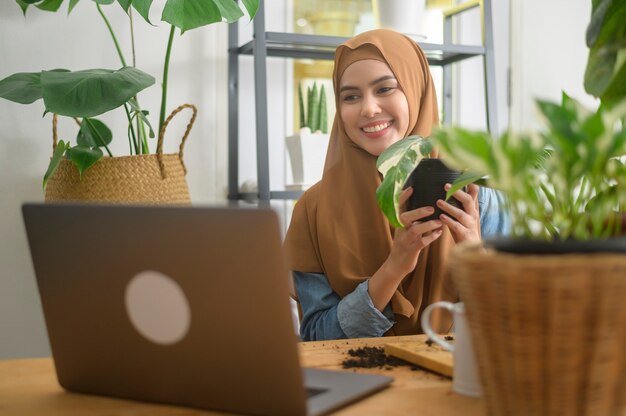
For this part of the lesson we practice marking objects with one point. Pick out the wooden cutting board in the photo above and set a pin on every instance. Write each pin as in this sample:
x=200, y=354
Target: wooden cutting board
x=432, y=357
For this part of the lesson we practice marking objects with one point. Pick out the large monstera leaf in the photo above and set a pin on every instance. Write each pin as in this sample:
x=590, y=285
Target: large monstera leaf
x=184, y=14
x=85, y=93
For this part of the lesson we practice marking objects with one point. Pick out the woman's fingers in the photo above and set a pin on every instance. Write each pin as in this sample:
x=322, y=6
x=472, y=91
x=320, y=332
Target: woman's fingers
x=429, y=238
x=452, y=211
x=455, y=227
x=422, y=234
x=409, y=217
x=465, y=198
x=404, y=196
x=469, y=202
x=473, y=190
x=418, y=228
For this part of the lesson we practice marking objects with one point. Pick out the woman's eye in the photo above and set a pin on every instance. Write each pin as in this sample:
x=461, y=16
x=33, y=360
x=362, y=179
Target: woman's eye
x=349, y=98
x=385, y=90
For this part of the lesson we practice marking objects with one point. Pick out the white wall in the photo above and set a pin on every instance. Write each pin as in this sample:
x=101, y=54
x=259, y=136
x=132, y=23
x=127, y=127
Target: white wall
x=549, y=55
x=45, y=40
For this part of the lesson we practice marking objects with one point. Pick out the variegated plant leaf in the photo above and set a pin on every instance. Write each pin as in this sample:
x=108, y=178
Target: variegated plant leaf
x=392, y=155
x=396, y=164
x=465, y=179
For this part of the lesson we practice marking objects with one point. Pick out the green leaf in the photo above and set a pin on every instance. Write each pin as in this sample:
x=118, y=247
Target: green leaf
x=560, y=119
x=49, y=5
x=138, y=112
x=598, y=14
x=143, y=8
x=125, y=4
x=323, y=113
x=251, y=6
x=30, y=1
x=59, y=151
x=394, y=153
x=463, y=180
x=385, y=195
x=71, y=6
x=396, y=164
x=142, y=115
x=23, y=88
x=84, y=157
x=606, y=39
x=91, y=92
x=23, y=5
x=612, y=26
x=313, y=118
x=105, y=2
x=615, y=91
x=229, y=10
x=599, y=70
x=190, y=14
x=301, y=107
x=426, y=147
x=465, y=149
x=93, y=133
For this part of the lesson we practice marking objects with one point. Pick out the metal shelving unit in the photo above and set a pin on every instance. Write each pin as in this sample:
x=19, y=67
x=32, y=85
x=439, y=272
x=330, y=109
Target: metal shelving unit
x=291, y=45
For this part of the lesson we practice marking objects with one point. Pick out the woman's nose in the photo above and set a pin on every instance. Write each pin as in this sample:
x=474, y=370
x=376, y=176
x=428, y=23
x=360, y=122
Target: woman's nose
x=369, y=107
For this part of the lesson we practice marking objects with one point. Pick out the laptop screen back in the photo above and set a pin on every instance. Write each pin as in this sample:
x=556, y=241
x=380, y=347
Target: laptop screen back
x=185, y=306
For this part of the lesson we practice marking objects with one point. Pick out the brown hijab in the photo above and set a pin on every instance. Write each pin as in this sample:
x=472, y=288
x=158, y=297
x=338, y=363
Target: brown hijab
x=337, y=228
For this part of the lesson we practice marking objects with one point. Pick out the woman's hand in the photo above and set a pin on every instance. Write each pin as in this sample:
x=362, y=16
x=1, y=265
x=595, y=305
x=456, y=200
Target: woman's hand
x=407, y=244
x=467, y=224
x=409, y=241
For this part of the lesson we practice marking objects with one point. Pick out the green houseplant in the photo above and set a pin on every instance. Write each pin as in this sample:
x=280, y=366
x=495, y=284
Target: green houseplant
x=316, y=118
x=307, y=148
x=86, y=94
x=545, y=305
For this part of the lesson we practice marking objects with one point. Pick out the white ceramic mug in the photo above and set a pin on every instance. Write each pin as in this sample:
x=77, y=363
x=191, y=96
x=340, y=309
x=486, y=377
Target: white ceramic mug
x=465, y=380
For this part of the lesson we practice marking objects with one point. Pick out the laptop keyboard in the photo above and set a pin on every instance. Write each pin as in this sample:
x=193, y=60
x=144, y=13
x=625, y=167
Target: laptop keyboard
x=310, y=391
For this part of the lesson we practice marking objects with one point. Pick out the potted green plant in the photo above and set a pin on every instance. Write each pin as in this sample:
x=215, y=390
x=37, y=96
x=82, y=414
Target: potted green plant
x=86, y=94
x=408, y=162
x=307, y=148
x=545, y=305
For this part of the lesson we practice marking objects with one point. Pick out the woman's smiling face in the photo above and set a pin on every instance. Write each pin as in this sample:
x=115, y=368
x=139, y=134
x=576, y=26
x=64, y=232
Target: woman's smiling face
x=372, y=106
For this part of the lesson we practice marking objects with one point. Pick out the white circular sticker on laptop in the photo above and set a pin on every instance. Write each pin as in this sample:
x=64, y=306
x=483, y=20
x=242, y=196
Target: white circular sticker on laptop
x=157, y=307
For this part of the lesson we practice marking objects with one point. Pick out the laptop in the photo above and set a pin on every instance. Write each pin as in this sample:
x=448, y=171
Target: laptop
x=180, y=305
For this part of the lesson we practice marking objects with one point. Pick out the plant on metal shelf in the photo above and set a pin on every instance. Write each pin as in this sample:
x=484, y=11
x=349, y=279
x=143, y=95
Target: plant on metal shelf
x=307, y=148
x=315, y=115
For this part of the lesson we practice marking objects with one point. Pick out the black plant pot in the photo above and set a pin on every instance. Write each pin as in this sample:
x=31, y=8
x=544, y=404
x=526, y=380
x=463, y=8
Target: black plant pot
x=428, y=180
x=537, y=247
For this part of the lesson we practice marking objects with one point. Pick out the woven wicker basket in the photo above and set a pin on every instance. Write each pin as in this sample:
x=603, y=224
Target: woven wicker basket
x=549, y=331
x=144, y=179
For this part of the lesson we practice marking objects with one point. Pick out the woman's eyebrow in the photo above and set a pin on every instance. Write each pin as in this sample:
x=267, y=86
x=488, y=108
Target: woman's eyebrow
x=376, y=81
x=381, y=79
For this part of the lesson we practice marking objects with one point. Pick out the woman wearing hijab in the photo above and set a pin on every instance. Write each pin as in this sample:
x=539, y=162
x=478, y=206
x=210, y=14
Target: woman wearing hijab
x=354, y=274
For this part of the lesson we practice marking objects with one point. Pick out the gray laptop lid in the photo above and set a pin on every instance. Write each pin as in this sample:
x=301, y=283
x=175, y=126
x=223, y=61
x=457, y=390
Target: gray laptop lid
x=185, y=306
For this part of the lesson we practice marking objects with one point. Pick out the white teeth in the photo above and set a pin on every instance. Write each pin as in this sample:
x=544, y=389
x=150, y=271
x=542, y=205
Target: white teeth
x=374, y=129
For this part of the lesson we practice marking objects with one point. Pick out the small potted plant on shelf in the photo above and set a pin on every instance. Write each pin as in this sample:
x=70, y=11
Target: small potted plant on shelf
x=307, y=149
x=79, y=171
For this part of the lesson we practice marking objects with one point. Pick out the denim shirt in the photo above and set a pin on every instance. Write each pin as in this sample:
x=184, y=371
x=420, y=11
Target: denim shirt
x=325, y=315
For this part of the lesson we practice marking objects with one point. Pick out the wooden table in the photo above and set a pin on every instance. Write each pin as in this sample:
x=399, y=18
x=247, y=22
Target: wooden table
x=29, y=388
